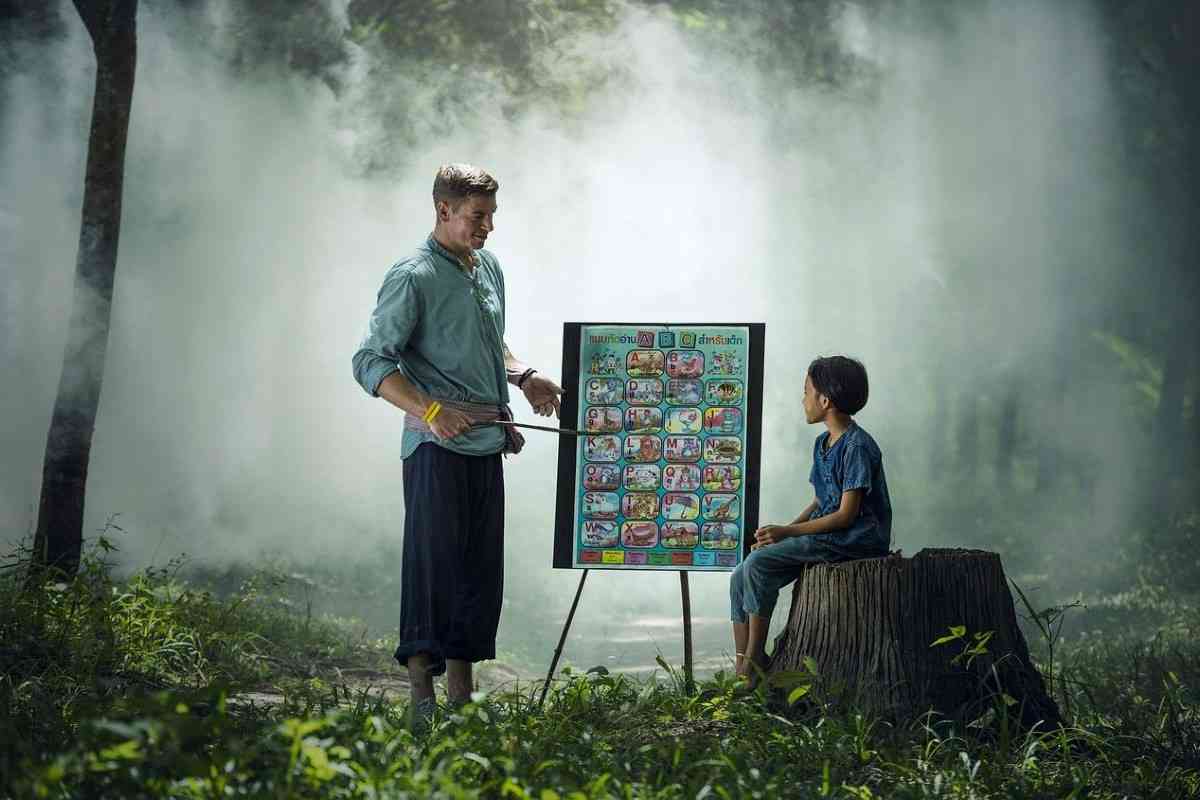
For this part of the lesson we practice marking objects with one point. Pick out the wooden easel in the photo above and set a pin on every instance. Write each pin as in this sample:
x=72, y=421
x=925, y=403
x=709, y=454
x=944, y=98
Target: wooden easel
x=568, y=464
x=689, y=680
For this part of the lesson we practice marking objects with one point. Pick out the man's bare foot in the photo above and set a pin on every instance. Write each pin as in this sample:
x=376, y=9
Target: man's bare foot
x=420, y=715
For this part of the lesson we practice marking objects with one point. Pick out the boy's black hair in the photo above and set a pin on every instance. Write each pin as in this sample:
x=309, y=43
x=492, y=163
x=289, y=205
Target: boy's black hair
x=843, y=380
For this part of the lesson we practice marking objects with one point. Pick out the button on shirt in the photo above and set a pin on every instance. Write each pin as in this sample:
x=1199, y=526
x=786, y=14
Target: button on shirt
x=854, y=462
x=443, y=329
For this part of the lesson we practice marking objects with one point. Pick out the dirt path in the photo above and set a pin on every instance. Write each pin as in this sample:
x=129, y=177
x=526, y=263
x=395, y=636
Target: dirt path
x=392, y=685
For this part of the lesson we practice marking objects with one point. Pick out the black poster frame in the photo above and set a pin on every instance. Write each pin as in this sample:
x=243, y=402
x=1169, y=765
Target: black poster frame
x=564, y=525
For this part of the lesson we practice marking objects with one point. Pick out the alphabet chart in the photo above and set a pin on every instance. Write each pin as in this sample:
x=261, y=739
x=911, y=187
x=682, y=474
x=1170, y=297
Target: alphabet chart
x=669, y=449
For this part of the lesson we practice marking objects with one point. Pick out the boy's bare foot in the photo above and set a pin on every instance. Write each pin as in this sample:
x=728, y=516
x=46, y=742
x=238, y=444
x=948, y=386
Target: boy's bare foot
x=752, y=668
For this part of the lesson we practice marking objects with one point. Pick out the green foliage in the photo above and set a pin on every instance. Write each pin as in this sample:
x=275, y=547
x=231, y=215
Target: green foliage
x=277, y=37
x=1141, y=368
x=151, y=676
x=972, y=646
x=72, y=649
x=609, y=736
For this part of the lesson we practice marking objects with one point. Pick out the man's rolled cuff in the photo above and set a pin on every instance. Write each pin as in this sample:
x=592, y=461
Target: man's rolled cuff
x=370, y=369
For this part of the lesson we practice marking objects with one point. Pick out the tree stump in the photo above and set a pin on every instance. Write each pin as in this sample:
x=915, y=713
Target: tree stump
x=870, y=625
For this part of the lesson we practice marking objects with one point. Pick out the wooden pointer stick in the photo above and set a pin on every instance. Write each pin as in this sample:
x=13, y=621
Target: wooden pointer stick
x=566, y=431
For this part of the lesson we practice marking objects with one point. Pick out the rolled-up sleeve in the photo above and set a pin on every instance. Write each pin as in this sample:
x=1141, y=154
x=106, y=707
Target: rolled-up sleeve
x=856, y=469
x=396, y=313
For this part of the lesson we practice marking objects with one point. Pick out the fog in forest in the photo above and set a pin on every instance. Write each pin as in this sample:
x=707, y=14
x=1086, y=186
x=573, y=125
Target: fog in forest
x=957, y=216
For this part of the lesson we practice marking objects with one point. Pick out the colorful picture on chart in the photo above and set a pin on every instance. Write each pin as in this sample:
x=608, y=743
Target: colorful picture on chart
x=665, y=414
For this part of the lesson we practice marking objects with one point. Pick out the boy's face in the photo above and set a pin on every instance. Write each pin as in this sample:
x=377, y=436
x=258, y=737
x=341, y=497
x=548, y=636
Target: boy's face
x=815, y=404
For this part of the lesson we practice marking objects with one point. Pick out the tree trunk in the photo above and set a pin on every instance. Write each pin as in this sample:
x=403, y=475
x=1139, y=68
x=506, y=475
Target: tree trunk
x=1006, y=442
x=968, y=433
x=1168, y=417
x=937, y=439
x=1185, y=63
x=1053, y=407
x=59, y=536
x=869, y=625
x=1194, y=451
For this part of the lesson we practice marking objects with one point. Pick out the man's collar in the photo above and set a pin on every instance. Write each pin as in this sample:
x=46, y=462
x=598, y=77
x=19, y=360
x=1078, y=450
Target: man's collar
x=437, y=247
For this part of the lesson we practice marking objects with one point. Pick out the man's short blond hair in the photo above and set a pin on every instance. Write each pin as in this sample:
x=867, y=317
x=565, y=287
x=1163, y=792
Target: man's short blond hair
x=456, y=182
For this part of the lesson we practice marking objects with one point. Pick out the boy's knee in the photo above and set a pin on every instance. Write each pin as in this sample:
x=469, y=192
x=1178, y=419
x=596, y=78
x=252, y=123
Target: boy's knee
x=737, y=580
x=755, y=566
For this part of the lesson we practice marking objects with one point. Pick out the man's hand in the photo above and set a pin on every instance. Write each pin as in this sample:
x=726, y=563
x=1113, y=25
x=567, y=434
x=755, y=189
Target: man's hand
x=449, y=423
x=770, y=534
x=542, y=393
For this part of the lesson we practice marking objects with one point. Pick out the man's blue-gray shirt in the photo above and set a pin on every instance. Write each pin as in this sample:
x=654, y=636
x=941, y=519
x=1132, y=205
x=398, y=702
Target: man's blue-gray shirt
x=854, y=462
x=443, y=329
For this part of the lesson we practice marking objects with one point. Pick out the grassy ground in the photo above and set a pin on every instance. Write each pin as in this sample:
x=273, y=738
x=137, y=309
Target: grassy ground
x=138, y=688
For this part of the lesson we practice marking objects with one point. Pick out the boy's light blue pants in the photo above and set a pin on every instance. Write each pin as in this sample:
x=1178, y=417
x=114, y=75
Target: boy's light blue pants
x=754, y=586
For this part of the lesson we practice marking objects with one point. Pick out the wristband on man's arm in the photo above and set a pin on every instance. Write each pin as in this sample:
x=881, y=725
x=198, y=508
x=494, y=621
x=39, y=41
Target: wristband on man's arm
x=524, y=377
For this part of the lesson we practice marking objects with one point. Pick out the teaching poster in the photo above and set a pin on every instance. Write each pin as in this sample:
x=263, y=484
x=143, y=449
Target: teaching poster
x=664, y=473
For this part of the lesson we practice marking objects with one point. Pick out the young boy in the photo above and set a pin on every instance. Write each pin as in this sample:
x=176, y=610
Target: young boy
x=851, y=516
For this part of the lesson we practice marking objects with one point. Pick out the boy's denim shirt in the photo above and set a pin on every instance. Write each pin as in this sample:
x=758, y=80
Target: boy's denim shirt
x=854, y=462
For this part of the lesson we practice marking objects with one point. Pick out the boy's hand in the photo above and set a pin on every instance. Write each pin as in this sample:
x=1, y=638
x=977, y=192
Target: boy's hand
x=769, y=534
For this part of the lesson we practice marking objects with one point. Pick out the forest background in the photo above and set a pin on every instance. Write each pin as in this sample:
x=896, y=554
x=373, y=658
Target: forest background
x=993, y=204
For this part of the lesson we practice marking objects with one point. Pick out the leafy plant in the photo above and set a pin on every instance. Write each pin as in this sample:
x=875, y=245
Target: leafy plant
x=973, y=646
x=165, y=714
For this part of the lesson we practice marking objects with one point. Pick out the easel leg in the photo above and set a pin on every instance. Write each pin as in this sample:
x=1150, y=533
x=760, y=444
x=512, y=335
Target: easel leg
x=689, y=681
x=562, y=639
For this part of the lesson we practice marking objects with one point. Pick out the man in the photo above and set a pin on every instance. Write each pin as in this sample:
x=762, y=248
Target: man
x=435, y=349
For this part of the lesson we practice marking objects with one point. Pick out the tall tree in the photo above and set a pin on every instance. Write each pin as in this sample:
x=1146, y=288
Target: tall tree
x=967, y=434
x=1157, y=72
x=1006, y=439
x=1177, y=28
x=58, y=541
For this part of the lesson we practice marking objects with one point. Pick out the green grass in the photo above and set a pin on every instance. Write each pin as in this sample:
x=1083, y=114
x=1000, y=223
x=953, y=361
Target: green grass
x=130, y=688
x=72, y=650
